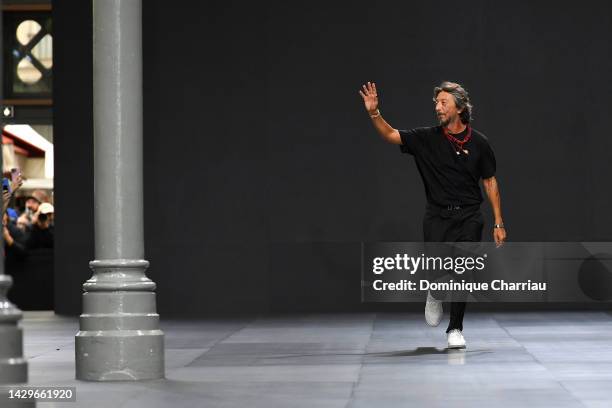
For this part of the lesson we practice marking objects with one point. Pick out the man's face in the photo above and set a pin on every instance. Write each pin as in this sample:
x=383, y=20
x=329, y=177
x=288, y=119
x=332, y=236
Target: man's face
x=446, y=110
x=32, y=204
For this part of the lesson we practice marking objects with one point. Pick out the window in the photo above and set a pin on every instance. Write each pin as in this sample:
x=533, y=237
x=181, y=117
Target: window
x=28, y=48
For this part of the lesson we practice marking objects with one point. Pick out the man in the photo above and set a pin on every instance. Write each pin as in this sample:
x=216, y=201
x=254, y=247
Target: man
x=42, y=230
x=32, y=202
x=451, y=159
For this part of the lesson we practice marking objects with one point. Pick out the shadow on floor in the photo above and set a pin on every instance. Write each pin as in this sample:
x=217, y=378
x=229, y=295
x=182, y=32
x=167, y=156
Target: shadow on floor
x=419, y=351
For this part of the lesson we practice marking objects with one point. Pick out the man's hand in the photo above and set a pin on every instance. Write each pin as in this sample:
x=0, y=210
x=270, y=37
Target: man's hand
x=370, y=97
x=6, y=197
x=17, y=183
x=499, y=236
x=35, y=217
x=370, y=100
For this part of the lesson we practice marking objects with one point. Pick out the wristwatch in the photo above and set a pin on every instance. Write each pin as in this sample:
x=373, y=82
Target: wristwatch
x=498, y=225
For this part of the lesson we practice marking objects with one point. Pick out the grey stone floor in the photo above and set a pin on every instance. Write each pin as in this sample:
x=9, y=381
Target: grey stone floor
x=544, y=359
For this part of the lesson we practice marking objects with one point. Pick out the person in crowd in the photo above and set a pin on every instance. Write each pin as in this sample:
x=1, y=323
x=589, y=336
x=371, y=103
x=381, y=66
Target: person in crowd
x=32, y=202
x=8, y=194
x=42, y=229
x=14, y=237
x=14, y=240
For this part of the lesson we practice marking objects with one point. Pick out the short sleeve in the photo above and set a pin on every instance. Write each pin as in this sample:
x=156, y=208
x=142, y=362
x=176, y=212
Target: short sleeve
x=487, y=161
x=412, y=140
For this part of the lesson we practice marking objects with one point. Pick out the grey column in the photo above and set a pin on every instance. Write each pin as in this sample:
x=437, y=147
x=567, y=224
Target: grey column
x=13, y=366
x=119, y=337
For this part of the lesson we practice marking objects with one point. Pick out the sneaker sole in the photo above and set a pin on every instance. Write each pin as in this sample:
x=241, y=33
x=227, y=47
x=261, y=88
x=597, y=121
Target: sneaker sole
x=437, y=323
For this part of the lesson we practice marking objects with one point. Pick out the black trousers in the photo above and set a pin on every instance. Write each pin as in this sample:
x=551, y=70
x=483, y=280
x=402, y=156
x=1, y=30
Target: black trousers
x=453, y=225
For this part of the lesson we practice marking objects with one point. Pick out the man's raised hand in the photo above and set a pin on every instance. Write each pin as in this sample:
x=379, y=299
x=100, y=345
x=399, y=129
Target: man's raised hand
x=370, y=97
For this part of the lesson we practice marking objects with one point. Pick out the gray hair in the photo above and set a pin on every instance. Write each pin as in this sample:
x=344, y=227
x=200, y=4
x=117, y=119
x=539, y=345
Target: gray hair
x=462, y=99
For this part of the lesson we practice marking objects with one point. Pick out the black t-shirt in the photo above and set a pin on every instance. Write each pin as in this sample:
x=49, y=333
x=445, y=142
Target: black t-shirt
x=40, y=238
x=449, y=178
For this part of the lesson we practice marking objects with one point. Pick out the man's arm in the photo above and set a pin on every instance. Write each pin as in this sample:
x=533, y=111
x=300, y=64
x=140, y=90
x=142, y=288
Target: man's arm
x=386, y=131
x=492, y=190
x=370, y=100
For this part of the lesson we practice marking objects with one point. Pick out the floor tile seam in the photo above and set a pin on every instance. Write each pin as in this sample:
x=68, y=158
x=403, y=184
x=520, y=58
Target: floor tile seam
x=579, y=400
x=230, y=334
x=351, y=397
x=552, y=374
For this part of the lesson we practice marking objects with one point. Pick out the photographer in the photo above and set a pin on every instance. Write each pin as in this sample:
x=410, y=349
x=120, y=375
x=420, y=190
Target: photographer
x=41, y=232
x=32, y=202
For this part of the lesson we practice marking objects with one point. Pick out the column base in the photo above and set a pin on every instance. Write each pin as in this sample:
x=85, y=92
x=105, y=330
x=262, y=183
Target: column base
x=13, y=371
x=9, y=403
x=119, y=337
x=13, y=366
x=119, y=355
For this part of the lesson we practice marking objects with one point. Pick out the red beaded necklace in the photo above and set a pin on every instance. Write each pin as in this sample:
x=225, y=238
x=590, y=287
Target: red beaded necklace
x=458, y=144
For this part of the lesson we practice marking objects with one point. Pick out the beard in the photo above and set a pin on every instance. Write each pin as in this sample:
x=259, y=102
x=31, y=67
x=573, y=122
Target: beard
x=443, y=121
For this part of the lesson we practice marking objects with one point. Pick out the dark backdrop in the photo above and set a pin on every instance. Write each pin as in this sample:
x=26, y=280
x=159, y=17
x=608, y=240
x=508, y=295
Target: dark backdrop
x=262, y=170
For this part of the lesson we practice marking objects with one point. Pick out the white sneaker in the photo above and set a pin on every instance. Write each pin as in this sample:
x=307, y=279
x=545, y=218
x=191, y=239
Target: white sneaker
x=433, y=310
x=455, y=339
